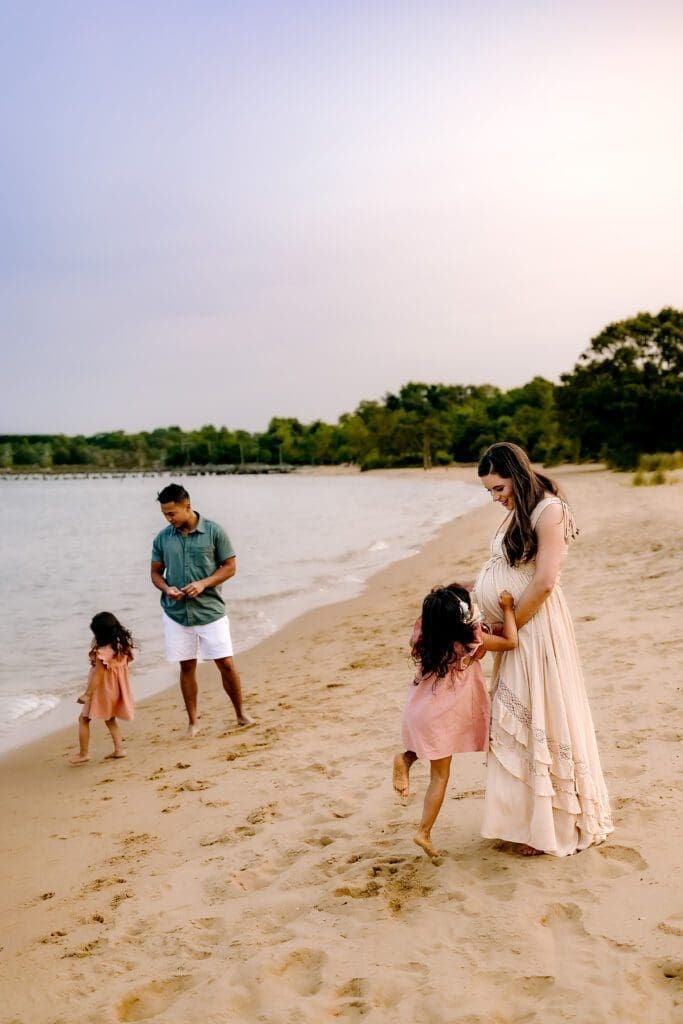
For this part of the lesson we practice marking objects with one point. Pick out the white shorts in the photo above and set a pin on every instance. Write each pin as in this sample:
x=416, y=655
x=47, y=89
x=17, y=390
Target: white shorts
x=186, y=643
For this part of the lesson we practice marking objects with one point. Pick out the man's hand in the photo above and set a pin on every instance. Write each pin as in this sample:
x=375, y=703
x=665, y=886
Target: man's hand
x=194, y=589
x=174, y=593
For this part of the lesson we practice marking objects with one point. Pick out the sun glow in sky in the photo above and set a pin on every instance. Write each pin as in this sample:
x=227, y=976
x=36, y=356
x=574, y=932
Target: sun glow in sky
x=221, y=212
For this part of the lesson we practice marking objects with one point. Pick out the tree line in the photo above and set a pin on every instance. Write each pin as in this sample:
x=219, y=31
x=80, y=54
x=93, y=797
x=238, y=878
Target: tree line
x=622, y=399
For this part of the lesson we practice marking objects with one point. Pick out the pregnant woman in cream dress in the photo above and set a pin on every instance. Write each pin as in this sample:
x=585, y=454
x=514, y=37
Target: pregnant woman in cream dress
x=545, y=789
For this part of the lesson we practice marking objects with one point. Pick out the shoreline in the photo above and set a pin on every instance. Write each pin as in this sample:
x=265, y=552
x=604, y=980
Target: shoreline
x=155, y=681
x=268, y=874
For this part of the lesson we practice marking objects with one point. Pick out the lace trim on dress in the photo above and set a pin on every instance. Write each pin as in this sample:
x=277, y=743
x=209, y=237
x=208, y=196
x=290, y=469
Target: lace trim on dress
x=515, y=706
x=579, y=796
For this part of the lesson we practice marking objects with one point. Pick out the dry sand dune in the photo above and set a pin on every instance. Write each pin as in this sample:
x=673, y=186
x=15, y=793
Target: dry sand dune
x=269, y=874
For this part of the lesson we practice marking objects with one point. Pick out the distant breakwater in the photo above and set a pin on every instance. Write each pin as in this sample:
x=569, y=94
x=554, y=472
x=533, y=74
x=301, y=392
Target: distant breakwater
x=82, y=473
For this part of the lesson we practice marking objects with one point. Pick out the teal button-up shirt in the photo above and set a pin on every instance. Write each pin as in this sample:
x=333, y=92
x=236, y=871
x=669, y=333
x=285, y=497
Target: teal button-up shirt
x=191, y=557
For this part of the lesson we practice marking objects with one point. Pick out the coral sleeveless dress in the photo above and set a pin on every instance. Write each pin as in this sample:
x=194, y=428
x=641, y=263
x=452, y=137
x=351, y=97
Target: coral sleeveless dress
x=113, y=698
x=449, y=715
x=544, y=784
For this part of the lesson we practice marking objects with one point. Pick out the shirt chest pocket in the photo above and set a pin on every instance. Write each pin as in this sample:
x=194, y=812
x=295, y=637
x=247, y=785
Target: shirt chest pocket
x=204, y=558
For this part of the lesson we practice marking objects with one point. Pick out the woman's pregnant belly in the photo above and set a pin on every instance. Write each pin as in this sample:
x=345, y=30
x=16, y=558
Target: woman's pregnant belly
x=495, y=576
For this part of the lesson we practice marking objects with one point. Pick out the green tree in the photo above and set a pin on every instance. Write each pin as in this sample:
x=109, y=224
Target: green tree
x=625, y=394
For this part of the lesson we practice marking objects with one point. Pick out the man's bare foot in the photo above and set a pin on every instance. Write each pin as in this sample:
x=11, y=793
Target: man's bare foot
x=115, y=755
x=79, y=759
x=423, y=840
x=401, y=775
x=245, y=720
x=530, y=851
x=192, y=730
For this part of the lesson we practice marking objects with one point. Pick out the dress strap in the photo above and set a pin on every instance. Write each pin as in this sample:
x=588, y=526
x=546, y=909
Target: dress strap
x=570, y=528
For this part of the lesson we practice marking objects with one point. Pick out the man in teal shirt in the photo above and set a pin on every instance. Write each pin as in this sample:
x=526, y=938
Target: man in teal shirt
x=191, y=558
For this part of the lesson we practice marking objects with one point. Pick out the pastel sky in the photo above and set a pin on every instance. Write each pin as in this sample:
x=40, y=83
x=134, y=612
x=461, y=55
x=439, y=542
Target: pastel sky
x=219, y=212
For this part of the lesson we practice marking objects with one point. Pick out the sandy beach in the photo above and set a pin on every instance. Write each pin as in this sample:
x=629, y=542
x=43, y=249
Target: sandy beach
x=268, y=875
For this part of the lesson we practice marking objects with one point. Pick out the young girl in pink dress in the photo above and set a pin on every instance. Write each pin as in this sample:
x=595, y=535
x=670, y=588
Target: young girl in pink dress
x=448, y=710
x=108, y=694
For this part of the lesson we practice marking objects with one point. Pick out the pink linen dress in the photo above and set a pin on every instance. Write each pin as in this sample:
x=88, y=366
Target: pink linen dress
x=449, y=715
x=113, y=698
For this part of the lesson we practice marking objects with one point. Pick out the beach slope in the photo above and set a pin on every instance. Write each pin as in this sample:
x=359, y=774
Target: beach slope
x=268, y=875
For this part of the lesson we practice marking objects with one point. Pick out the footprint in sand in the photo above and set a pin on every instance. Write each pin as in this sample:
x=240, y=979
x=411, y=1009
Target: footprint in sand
x=214, y=927
x=353, y=1003
x=85, y=950
x=398, y=880
x=672, y=925
x=217, y=840
x=564, y=917
x=358, y=892
x=673, y=972
x=102, y=883
x=192, y=786
x=326, y=838
x=261, y=814
x=621, y=859
x=302, y=970
x=152, y=999
x=535, y=985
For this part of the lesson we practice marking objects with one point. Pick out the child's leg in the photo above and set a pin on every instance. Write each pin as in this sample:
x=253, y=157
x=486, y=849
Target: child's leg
x=401, y=773
x=436, y=790
x=113, y=726
x=83, y=741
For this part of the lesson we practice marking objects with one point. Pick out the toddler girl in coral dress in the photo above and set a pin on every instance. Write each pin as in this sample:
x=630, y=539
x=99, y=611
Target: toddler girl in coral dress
x=108, y=694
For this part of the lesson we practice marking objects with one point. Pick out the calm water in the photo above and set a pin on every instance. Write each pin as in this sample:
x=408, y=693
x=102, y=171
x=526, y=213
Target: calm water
x=73, y=547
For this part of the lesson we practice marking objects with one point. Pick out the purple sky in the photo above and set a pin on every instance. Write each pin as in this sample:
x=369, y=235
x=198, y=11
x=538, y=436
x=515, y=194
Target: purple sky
x=220, y=212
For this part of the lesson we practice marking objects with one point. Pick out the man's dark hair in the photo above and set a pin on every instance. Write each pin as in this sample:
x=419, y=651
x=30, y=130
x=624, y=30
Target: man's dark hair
x=174, y=493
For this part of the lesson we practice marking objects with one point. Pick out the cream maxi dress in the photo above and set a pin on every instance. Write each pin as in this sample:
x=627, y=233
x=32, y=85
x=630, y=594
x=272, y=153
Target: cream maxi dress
x=544, y=786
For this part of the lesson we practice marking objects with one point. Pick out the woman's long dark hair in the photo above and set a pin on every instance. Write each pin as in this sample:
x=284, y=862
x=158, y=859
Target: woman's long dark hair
x=108, y=631
x=444, y=624
x=511, y=462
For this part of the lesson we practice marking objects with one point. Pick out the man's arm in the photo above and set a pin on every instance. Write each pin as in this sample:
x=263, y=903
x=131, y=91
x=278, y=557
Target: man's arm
x=159, y=581
x=224, y=571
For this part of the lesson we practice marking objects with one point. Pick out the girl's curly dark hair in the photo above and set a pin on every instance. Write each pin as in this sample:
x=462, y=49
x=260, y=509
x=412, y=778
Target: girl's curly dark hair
x=444, y=624
x=108, y=631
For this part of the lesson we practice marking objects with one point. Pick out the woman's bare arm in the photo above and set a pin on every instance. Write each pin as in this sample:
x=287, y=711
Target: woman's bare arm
x=549, y=557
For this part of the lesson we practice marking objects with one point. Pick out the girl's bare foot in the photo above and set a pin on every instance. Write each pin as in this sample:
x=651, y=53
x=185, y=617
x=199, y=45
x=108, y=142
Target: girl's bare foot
x=401, y=775
x=423, y=840
x=530, y=851
x=115, y=754
x=79, y=759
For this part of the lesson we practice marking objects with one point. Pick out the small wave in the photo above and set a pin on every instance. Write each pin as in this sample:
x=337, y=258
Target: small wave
x=379, y=545
x=25, y=707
